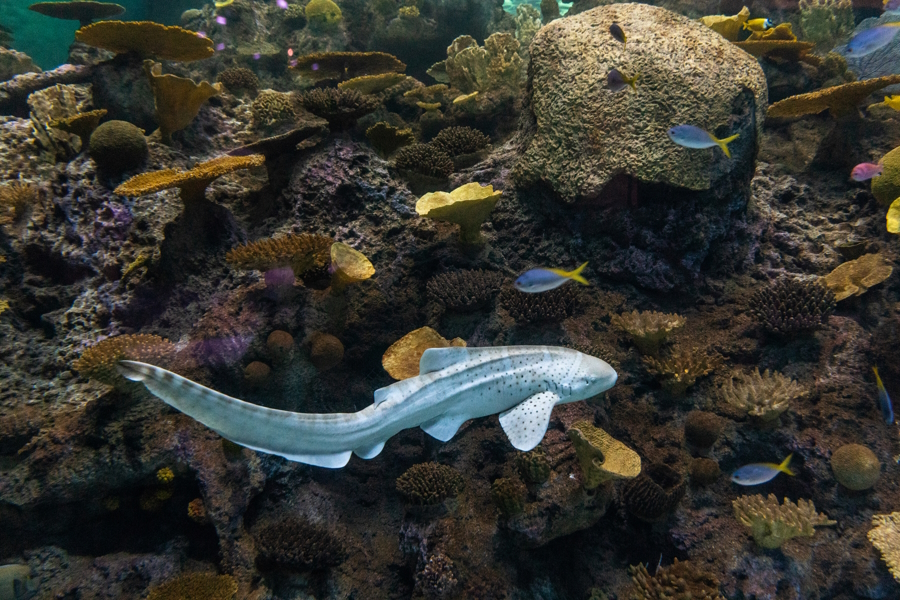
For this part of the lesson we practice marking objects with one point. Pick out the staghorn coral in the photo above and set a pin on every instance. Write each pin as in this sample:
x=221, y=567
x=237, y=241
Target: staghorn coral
x=885, y=536
x=464, y=291
x=678, y=581
x=509, y=495
x=271, y=107
x=118, y=146
x=177, y=99
x=147, y=38
x=401, y=360
x=681, y=368
x=323, y=66
x=855, y=467
x=839, y=100
x=325, y=351
x=460, y=140
x=648, y=329
x=296, y=544
x=424, y=159
x=790, y=306
x=554, y=305
x=387, y=139
x=467, y=206
x=81, y=124
x=772, y=524
x=348, y=266
x=300, y=252
x=99, y=361
x=340, y=107
x=654, y=493
x=237, y=79
x=430, y=483
x=196, y=586
x=763, y=396
x=702, y=429
x=16, y=199
x=601, y=457
x=855, y=277
x=826, y=22
x=81, y=11
x=533, y=466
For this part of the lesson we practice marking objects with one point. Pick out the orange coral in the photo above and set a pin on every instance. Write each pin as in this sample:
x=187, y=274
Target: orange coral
x=322, y=66
x=147, y=39
x=839, y=100
x=99, y=361
x=299, y=252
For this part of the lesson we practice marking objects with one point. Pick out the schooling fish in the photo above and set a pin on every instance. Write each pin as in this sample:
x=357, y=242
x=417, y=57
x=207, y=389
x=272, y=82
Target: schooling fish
x=618, y=33
x=544, y=280
x=870, y=40
x=758, y=24
x=758, y=473
x=884, y=401
x=616, y=81
x=16, y=583
x=866, y=171
x=694, y=137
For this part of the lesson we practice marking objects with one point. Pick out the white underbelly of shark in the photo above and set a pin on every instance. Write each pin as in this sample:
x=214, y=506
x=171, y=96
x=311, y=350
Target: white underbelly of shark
x=521, y=383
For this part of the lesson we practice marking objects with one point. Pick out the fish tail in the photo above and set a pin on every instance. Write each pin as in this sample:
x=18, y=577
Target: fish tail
x=745, y=25
x=783, y=467
x=877, y=378
x=723, y=144
x=576, y=275
x=633, y=83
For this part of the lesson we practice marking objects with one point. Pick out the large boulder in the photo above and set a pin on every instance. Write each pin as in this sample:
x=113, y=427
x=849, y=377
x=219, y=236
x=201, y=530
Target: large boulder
x=582, y=135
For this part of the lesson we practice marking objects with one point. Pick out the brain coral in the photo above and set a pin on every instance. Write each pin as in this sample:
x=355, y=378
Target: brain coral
x=583, y=134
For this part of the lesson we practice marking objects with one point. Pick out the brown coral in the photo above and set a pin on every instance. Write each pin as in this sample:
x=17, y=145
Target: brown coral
x=648, y=329
x=280, y=345
x=855, y=277
x=855, y=467
x=372, y=84
x=271, y=107
x=680, y=369
x=99, y=361
x=177, y=99
x=763, y=396
x=16, y=198
x=340, y=107
x=196, y=586
x=325, y=351
x=509, y=495
x=81, y=124
x=654, y=493
x=424, y=159
x=702, y=429
x=789, y=306
x=147, y=39
x=786, y=50
x=300, y=252
x=323, y=66
x=464, y=291
x=772, y=524
x=387, y=139
x=460, y=140
x=678, y=581
x=430, y=483
x=81, y=11
x=554, y=305
x=533, y=466
x=238, y=78
x=885, y=536
x=295, y=544
x=839, y=100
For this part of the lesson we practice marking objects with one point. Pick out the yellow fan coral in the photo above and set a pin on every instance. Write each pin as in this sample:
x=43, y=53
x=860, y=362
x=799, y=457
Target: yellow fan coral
x=728, y=27
x=147, y=39
x=401, y=360
x=893, y=217
x=178, y=100
x=468, y=206
x=772, y=524
x=601, y=457
x=348, y=266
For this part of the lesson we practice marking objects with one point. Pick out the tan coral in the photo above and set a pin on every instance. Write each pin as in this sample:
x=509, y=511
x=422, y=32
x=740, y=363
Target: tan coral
x=885, y=536
x=772, y=524
x=401, y=360
x=431, y=93
x=681, y=368
x=855, y=277
x=729, y=27
x=679, y=581
x=81, y=124
x=497, y=65
x=178, y=100
x=782, y=31
x=147, y=38
x=193, y=183
x=322, y=66
x=348, y=266
x=602, y=458
x=300, y=252
x=372, y=84
x=16, y=198
x=838, y=100
x=387, y=139
x=648, y=329
x=763, y=396
x=99, y=361
x=468, y=206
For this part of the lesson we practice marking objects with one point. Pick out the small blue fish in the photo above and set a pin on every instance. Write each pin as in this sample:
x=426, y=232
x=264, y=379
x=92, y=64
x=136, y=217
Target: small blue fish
x=884, y=401
x=544, y=280
x=870, y=40
x=694, y=137
x=758, y=473
x=616, y=81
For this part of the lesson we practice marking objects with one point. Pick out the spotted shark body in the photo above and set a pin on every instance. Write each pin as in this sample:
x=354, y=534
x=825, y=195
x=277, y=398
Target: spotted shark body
x=521, y=383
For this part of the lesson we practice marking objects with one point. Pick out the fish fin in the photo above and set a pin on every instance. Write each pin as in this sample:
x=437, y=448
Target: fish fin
x=745, y=27
x=334, y=460
x=723, y=144
x=385, y=393
x=368, y=452
x=435, y=359
x=783, y=467
x=526, y=423
x=443, y=427
x=576, y=275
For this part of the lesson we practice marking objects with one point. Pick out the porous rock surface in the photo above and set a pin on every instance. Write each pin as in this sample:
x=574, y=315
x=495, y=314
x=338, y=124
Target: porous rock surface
x=584, y=134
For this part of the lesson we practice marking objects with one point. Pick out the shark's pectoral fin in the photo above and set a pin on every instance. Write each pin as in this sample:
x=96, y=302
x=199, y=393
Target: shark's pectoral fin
x=368, y=452
x=526, y=423
x=443, y=427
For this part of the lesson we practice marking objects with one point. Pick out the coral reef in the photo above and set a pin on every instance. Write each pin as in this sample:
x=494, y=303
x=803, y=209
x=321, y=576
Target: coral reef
x=430, y=483
x=257, y=373
x=839, y=100
x=196, y=586
x=533, y=467
x=460, y=140
x=855, y=467
x=387, y=139
x=323, y=66
x=148, y=39
x=271, y=107
x=648, y=329
x=855, y=277
x=83, y=12
x=554, y=305
x=763, y=396
x=464, y=291
x=118, y=146
x=682, y=367
x=790, y=306
x=654, y=493
x=424, y=159
x=678, y=581
x=99, y=361
x=322, y=15
x=237, y=79
x=509, y=495
x=468, y=206
x=340, y=107
x=178, y=100
x=496, y=65
x=602, y=458
x=300, y=252
x=81, y=124
x=16, y=199
x=296, y=544
x=772, y=524
x=825, y=22
x=885, y=535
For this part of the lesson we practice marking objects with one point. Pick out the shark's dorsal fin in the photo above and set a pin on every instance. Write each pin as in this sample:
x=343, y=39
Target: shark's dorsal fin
x=435, y=359
x=368, y=452
x=443, y=427
x=526, y=423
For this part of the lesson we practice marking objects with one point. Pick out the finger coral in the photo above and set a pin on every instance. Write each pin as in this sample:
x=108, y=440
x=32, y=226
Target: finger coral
x=885, y=536
x=196, y=586
x=147, y=38
x=763, y=396
x=430, y=483
x=554, y=305
x=177, y=99
x=601, y=457
x=387, y=139
x=401, y=360
x=772, y=524
x=340, y=107
x=533, y=466
x=680, y=369
x=237, y=79
x=648, y=329
x=296, y=544
x=839, y=100
x=464, y=291
x=654, y=493
x=467, y=206
x=424, y=159
x=300, y=252
x=509, y=495
x=322, y=66
x=791, y=306
x=678, y=581
x=99, y=361
x=855, y=277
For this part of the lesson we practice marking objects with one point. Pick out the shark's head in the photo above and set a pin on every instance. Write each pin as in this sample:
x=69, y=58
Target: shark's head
x=593, y=376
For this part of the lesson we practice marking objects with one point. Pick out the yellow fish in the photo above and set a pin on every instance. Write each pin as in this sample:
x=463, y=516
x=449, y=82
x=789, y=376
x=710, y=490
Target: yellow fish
x=892, y=101
x=758, y=24
x=223, y=3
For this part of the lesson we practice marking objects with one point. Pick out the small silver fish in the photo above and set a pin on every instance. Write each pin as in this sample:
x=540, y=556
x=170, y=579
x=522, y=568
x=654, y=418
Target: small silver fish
x=543, y=280
x=759, y=473
x=884, y=401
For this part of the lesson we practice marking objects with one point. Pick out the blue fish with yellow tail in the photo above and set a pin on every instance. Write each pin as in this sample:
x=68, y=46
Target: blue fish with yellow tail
x=759, y=473
x=870, y=40
x=544, y=280
x=884, y=401
x=694, y=137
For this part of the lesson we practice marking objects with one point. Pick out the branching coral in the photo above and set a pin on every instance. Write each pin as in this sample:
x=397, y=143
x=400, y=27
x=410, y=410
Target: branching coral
x=826, y=22
x=678, y=581
x=340, y=107
x=238, y=78
x=648, y=329
x=178, y=100
x=460, y=140
x=601, y=457
x=147, y=38
x=764, y=396
x=464, y=291
x=885, y=535
x=467, y=206
x=271, y=107
x=772, y=524
x=654, y=493
x=196, y=586
x=296, y=544
x=855, y=277
x=99, y=361
x=436, y=577
x=16, y=198
x=791, y=306
x=554, y=305
x=681, y=368
x=430, y=483
x=470, y=68
x=509, y=495
x=424, y=159
x=300, y=252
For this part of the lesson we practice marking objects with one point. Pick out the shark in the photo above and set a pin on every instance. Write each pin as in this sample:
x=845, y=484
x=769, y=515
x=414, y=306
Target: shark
x=520, y=383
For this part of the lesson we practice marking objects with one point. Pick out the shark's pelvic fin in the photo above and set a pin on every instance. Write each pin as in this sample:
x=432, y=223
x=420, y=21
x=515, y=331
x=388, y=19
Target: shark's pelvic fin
x=443, y=427
x=435, y=359
x=368, y=452
x=526, y=423
x=329, y=461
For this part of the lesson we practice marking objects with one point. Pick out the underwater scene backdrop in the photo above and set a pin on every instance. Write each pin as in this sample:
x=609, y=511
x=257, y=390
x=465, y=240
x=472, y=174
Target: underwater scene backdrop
x=449, y=299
